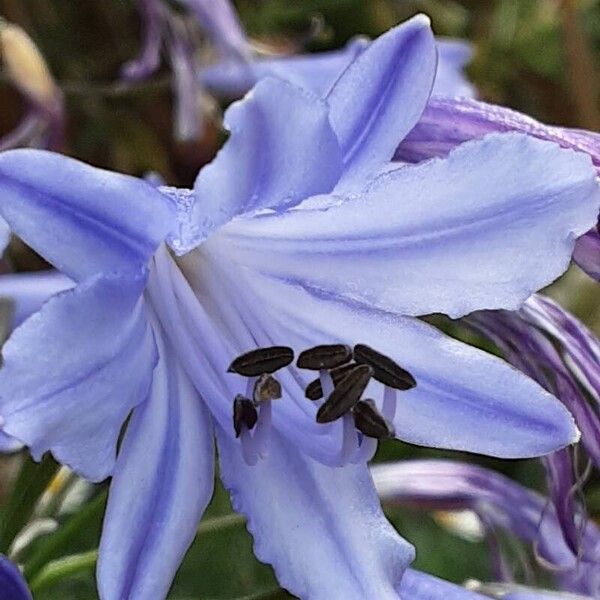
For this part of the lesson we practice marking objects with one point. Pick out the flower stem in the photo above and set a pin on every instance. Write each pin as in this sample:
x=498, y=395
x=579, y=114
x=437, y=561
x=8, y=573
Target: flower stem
x=31, y=482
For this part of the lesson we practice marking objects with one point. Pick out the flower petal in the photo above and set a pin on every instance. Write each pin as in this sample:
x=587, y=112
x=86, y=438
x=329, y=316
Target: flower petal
x=81, y=219
x=320, y=527
x=281, y=150
x=28, y=291
x=587, y=253
x=12, y=582
x=316, y=72
x=484, y=228
x=501, y=504
x=9, y=444
x=522, y=338
x=465, y=399
x=448, y=122
x=421, y=586
x=453, y=56
x=381, y=95
x=319, y=71
x=162, y=483
x=73, y=372
x=4, y=235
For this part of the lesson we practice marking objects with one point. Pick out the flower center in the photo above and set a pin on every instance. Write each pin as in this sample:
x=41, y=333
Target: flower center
x=344, y=374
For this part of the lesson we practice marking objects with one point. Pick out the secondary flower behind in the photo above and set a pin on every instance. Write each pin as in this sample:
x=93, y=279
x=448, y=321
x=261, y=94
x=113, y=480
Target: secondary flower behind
x=300, y=233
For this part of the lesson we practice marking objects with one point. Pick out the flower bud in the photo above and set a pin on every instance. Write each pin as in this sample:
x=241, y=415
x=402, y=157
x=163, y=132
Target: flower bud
x=27, y=68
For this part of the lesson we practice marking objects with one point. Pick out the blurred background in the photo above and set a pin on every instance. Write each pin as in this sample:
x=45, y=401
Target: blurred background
x=538, y=56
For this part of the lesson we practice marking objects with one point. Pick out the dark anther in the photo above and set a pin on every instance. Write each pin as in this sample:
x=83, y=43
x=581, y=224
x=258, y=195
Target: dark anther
x=385, y=369
x=345, y=395
x=244, y=413
x=324, y=357
x=263, y=360
x=314, y=390
x=266, y=388
x=370, y=421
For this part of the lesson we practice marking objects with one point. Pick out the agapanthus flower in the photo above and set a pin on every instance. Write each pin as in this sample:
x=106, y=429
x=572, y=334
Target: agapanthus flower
x=501, y=505
x=12, y=583
x=299, y=234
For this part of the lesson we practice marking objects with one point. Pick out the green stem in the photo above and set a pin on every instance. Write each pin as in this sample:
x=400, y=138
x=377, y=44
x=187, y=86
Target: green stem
x=31, y=482
x=54, y=544
x=211, y=525
x=63, y=568
x=44, y=574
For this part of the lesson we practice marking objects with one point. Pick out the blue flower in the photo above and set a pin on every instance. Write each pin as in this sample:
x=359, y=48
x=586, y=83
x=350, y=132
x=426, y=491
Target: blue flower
x=300, y=232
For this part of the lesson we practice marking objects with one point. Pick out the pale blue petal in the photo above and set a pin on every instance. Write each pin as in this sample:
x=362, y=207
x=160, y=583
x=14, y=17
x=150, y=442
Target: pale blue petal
x=319, y=71
x=28, y=291
x=162, y=483
x=243, y=324
x=465, y=399
x=4, y=235
x=450, y=80
x=382, y=94
x=73, y=372
x=483, y=228
x=281, y=150
x=531, y=594
x=322, y=528
x=81, y=219
x=315, y=72
x=421, y=586
x=9, y=444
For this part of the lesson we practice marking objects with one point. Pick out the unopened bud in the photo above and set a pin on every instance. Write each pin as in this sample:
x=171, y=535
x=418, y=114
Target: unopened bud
x=27, y=68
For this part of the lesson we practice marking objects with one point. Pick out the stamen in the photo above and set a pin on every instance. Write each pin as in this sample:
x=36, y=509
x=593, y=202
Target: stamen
x=349, y=439
x=366, y=451
x=262, y=434
x=314, y=390
x=244, y=414
x=326, y=382
x=385, y=369
x=345, y=395
x=266, y=388
x=370, y=422
x=249, y=451
x=324, y=357
x=388, y=408
x=262, y=360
